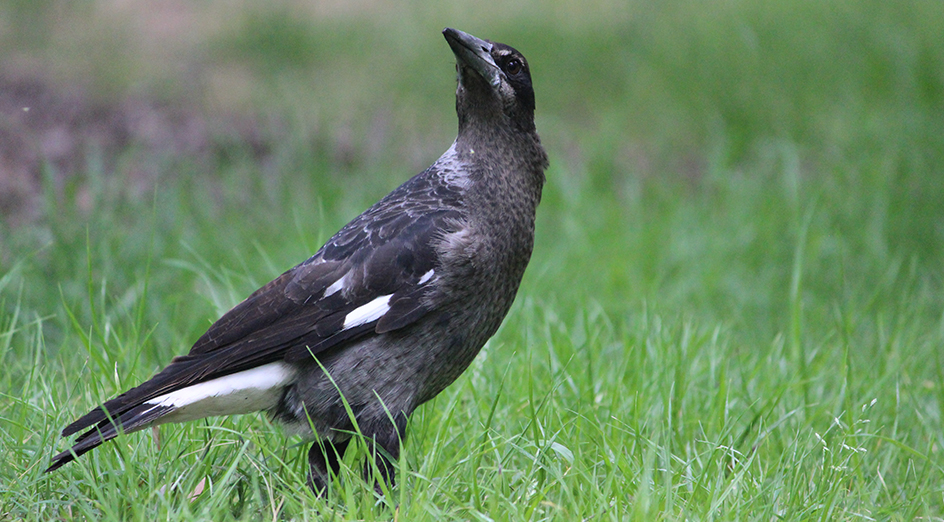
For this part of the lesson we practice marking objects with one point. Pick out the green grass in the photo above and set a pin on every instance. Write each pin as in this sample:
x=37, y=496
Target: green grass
x=735, y=309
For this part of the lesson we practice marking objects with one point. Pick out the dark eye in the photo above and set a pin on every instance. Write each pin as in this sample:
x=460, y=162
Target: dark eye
x=513, y=66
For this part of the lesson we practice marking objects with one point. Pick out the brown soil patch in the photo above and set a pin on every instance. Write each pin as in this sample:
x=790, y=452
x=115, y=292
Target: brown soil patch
x=49, y=132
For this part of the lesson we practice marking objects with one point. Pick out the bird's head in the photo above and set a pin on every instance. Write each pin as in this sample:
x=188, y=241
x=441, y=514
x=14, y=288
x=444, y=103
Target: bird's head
x=494, y=84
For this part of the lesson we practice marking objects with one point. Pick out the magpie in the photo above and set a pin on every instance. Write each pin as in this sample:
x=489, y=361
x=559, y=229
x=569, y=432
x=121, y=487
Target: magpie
x=389, y=312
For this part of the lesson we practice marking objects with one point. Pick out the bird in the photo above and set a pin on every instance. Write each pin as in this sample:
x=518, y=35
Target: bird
x=389, y=312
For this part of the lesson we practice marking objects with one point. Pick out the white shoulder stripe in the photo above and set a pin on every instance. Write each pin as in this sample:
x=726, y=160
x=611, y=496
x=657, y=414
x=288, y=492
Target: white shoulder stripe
x=452, y=170
x=426, y=277
x=336, y=286
x=369, y=312
x=251, y=390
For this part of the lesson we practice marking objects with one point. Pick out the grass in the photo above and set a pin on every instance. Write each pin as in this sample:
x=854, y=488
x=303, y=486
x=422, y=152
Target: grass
x=734, y=310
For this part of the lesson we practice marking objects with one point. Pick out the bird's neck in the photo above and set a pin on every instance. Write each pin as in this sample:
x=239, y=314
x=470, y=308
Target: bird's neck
x=517, y=153
x=505, y=171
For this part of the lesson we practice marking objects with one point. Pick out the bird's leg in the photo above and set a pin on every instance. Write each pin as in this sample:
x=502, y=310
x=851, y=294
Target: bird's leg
x=386, y=450
x=324, y=460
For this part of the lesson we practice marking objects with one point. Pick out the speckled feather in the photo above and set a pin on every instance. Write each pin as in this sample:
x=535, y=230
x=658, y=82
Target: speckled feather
x=393, y=307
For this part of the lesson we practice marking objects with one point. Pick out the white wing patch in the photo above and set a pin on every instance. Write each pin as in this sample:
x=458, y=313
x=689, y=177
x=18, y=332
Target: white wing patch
x=336, y=286
x=369, y=312
x=251, y=390
x=426, y=277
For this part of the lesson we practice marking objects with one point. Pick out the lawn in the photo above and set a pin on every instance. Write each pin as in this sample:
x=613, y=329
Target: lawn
x=734, y=311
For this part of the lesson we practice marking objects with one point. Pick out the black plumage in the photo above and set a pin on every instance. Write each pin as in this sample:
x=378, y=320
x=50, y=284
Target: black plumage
x=390, y=311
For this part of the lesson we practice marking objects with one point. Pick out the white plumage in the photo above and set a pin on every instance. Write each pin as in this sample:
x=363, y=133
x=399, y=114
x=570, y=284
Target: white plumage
x=369, y=312
x=251, y=390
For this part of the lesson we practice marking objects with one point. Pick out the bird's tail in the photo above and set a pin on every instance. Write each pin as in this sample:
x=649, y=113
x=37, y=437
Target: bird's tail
x=134, y=419
x=174, y=395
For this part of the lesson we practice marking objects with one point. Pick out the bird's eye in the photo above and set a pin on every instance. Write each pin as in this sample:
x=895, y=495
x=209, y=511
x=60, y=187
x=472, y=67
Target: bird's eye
x=513, y=67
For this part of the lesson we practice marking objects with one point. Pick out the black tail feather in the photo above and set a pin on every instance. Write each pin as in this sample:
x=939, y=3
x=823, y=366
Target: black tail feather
x=134, y=419
x=176, y=375
x=130, y=411
x=182, y=372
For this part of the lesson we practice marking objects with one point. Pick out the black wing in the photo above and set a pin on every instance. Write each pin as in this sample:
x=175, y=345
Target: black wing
x=385, y=257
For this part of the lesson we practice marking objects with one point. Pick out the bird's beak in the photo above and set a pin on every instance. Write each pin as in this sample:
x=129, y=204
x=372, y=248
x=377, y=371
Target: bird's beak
x=474, y=53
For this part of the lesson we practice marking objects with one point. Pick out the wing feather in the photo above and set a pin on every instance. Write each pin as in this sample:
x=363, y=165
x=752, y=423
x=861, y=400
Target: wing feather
x=387, y=250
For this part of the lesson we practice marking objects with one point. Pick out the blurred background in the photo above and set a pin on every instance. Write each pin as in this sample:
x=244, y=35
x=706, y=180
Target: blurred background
x=769, y=170
x=694, y=145
x=731, y=159
x=727, y=158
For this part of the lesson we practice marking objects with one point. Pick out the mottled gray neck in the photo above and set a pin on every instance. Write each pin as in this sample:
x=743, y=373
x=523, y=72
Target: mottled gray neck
x=504, y=150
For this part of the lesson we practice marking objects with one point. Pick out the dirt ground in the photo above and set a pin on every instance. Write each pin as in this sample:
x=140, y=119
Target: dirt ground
x=49, y=133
